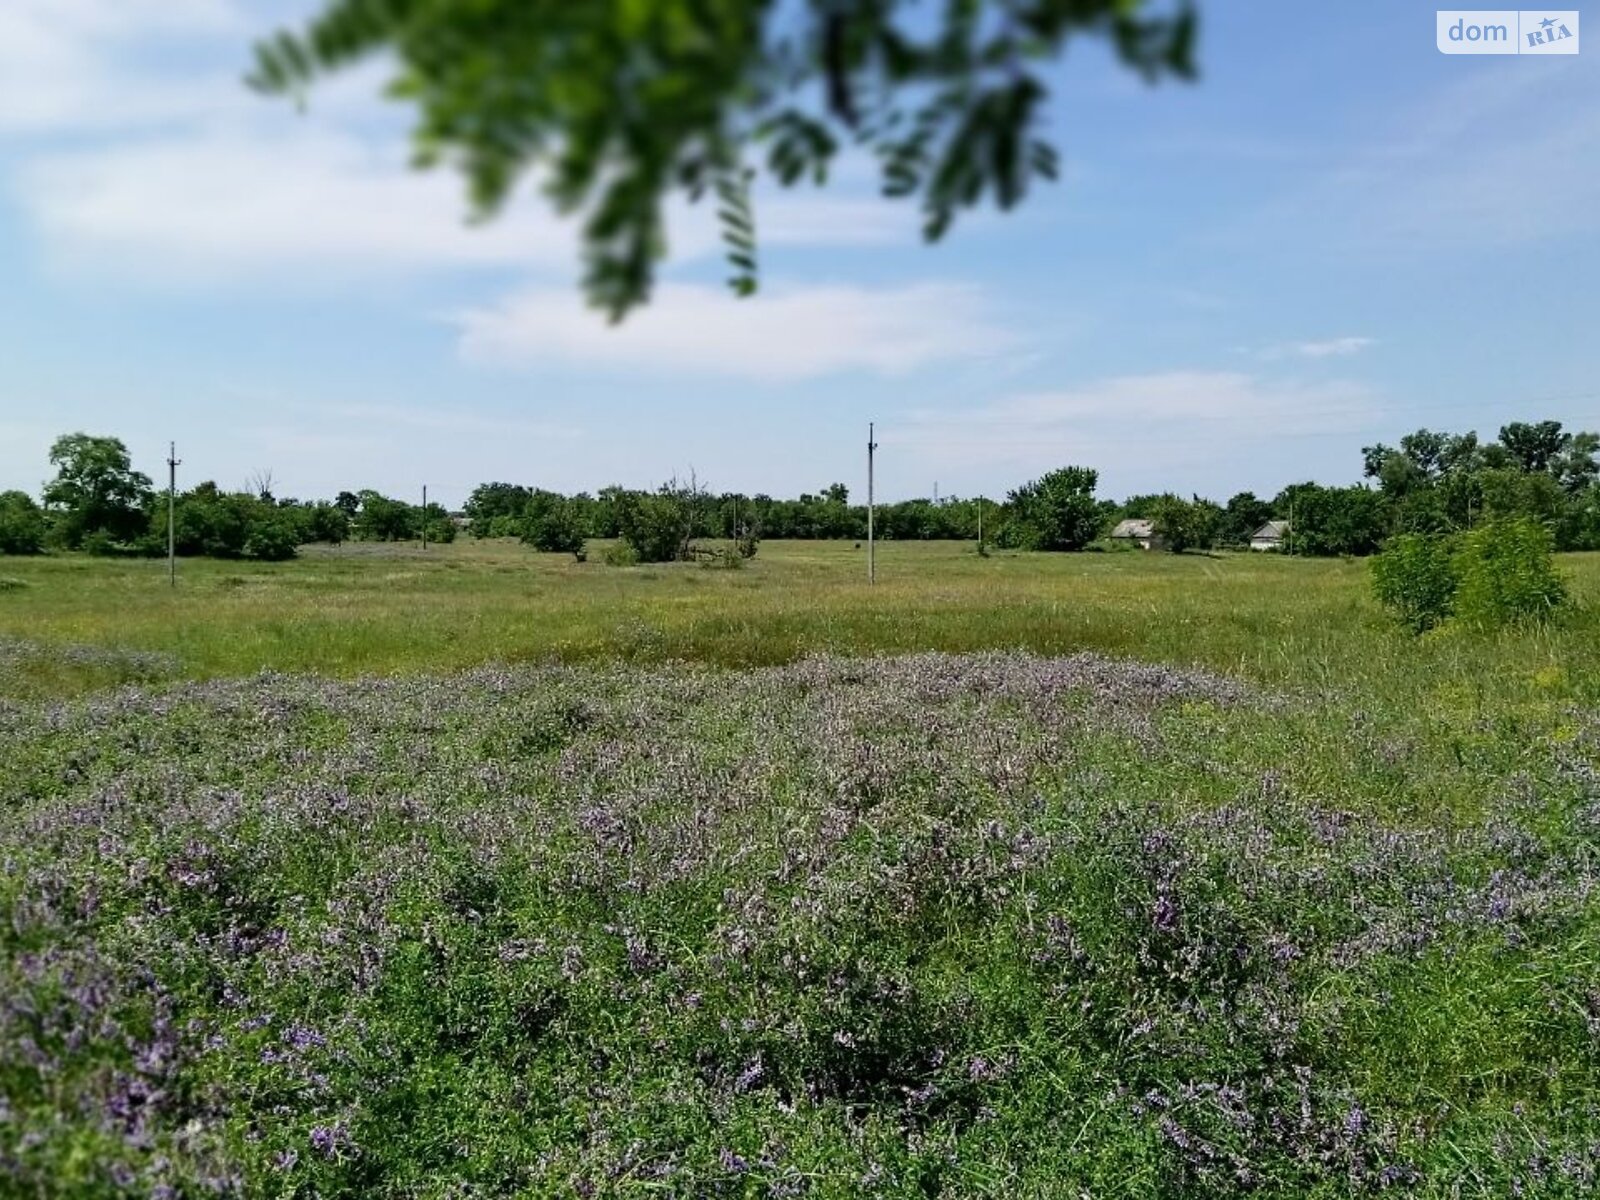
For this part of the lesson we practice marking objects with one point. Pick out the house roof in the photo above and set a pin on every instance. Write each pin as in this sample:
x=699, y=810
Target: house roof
x=1133, y=528
x=1272, y=529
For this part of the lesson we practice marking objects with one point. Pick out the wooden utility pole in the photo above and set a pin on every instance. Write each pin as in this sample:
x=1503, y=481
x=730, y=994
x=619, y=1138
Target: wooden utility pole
x=172, y=527
x=424, y=516
x=872, y=562
x=980, y=522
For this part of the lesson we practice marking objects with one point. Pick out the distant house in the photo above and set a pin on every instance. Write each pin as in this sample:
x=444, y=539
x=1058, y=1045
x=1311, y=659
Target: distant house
x=1270, y=536
x=460, y=520
x=1135, y=531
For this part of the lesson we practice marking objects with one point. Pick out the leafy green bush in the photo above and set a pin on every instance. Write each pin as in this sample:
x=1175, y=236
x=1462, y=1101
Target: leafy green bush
x=1507, y=573
x=1415, y=578
x=271, y=540
x=101, y=544
x=661, y=525
x=620, y=554
x=21, y=524
x=1501, y=573
x=555, y=528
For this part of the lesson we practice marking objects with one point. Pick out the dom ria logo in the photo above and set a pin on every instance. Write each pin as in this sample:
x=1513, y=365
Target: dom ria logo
x=1507, y=31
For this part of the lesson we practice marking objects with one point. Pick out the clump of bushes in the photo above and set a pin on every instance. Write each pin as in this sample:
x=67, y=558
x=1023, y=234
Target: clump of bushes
x=554, y=524
x=1501, y=573
x=620, y=554
x=662, y=526
x=1415, y=579
x=22, y=527
x=1506, y=572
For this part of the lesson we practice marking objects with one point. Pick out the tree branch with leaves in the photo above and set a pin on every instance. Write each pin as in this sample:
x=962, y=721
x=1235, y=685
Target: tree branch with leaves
x=619, y=105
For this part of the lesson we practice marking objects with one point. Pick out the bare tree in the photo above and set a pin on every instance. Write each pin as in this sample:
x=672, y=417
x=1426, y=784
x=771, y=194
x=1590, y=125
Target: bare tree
x=259, y=483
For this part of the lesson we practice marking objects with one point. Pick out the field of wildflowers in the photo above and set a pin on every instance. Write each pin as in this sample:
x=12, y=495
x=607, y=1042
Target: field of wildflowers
x=945, y=925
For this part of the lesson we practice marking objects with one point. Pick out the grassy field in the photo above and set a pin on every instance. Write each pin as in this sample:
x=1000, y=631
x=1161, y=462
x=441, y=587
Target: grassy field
x=367, y=609
x=1166, y=876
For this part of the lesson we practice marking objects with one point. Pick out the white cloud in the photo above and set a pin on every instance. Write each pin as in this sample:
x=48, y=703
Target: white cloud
x=781, y=335
x=1336, y=347
x=224, y=202
x=284, y=195
x=177, y=173
x=65, y=64
x=1332, y=347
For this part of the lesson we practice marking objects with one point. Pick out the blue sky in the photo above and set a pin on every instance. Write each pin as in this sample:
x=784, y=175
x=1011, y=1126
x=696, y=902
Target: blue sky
x=1336, y=236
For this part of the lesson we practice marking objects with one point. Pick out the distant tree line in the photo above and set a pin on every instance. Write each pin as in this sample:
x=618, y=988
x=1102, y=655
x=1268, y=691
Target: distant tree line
x=99, y=504
x=1430, y=483
x=1433, y=482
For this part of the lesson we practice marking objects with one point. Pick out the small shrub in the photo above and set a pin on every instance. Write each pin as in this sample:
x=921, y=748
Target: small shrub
x=1507, y=574
x=271, y=541
x=620, y=554
x=101, y=545
x=12, y=585
x=1415, y=579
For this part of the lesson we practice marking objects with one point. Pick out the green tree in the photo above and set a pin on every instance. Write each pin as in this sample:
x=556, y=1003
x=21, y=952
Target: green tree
x=96, y=491
x=1580, y=523
x=1535, y=446
x=1513, y=493
x=497, y=509
x=1576, y=467
x=1334, y=521
x=1056, y=511
x=619, y=104
x=1185, y=524
x=324, y=522
x=1245, y=513
x=1172, y=521
x=22, y=526
x=661, y=526
x=208, y=521
x=555, y=527
x=383, y=519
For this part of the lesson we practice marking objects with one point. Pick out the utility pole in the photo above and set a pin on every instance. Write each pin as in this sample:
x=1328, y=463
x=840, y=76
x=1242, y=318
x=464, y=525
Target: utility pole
x=980, y=522
x=872, y=562
x=424, y=516
x=172, y=492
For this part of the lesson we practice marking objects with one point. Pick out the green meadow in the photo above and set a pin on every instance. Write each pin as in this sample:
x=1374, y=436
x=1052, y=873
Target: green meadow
x=384, y=609
x=479, y=872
